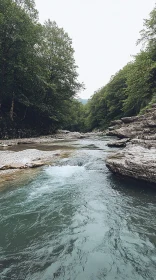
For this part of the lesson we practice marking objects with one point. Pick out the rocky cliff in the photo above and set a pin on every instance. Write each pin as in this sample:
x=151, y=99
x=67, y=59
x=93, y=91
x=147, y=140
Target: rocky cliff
x=138, y=137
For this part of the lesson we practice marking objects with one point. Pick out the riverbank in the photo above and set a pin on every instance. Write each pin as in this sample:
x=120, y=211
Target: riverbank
x=138, y=158
x=18, y=154
x=60, y=135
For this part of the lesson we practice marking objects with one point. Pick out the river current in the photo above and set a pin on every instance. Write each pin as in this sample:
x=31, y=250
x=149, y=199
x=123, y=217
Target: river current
x=74, y=220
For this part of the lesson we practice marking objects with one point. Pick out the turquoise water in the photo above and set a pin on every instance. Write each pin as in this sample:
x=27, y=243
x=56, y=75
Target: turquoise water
x=77, y=221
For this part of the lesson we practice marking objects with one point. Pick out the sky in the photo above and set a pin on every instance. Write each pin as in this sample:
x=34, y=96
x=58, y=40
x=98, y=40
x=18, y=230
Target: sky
x=103, y=32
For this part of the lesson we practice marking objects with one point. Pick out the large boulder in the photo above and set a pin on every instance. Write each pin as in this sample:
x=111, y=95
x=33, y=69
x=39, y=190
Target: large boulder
x=134, y=161
x=138, y=158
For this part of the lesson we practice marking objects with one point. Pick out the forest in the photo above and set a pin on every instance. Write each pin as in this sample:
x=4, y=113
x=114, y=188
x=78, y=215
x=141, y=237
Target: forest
x=132, y=89
x=39, y=80
x=38, y=74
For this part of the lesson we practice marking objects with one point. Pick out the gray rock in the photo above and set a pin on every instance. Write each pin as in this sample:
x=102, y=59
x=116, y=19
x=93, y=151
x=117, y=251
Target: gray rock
x=151, y=123
x=116, y=122
x=134, y=161
x=138, y=159
x=118, y=143
x=123, y=132
x=111, y=128
x=61, y=131
x=129, y=119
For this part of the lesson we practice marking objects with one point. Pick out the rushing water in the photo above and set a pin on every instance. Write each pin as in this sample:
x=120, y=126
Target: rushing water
x=76, y=221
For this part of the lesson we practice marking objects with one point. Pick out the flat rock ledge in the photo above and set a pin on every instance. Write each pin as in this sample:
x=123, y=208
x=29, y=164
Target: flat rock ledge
x=134, y=161
x=26, y=159
x=119, y=143
x=12, y=162
x=59, y=136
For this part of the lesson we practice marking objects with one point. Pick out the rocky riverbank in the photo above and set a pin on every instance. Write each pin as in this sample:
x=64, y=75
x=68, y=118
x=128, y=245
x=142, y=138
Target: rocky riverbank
x=60, y=135
x=14, y=154
x=138, y=137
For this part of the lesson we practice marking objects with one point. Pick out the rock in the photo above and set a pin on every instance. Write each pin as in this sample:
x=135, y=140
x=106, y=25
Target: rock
x=151, y=123
x=3, y=145
x=34, y=164
x=60, y=131
x=134, y=161
x=76, y=135
x=149, y=110
x=122, y=133
x=118, y=143
x=111, y=128
x=129, y=119
x=116, y=122
x=25, y=142
x=138, y=158
x=29, y=158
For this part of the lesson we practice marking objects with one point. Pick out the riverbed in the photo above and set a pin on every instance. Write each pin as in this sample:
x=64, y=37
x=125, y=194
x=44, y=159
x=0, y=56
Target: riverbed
x=74, y=220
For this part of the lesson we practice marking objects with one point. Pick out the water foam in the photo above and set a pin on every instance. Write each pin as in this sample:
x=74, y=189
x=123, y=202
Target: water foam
x=55, y=177
x=64, y=171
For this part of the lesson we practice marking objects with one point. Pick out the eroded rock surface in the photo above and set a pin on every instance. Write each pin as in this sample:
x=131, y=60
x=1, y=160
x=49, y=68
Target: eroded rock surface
x=20, y=157
x=140, y=127
x=134, y=161
x=25, y=159
x=60, y=135
x=119, y=143
x=138, y=158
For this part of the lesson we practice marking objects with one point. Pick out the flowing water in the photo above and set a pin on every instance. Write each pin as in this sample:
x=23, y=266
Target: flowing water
x=76, y=221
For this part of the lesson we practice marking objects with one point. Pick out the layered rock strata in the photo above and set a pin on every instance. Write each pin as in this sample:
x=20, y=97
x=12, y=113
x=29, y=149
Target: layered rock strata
x=138, y=158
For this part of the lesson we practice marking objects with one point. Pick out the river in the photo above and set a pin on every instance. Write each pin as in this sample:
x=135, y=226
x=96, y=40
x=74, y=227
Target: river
x=76, y=221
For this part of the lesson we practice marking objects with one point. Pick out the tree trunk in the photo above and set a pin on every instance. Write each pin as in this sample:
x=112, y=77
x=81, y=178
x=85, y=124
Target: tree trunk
x=12, y=110
x=24, y=114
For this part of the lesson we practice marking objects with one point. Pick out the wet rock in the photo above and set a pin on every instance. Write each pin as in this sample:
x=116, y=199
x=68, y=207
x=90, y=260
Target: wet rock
x=118, y=143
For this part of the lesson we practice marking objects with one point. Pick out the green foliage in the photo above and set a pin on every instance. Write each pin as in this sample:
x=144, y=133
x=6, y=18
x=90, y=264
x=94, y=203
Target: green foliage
x=131, y=89
x=38, y=72
x=74, y=120
x=139, y=84
x=39, y=80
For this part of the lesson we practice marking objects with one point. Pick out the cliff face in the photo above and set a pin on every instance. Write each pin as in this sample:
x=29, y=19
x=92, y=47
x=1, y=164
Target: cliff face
x=138, y=158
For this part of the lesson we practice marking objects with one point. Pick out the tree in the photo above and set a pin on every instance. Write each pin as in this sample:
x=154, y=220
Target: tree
x=148, y=34
x=38, y=74
x=139, y=85
x=19, y=36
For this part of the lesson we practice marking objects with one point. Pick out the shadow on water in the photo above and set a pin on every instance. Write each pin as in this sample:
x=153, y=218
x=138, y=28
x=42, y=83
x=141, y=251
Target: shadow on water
x=133, y=186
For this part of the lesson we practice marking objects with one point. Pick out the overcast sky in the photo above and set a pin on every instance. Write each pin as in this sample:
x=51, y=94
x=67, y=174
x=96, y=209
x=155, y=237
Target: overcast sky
x=104, y=34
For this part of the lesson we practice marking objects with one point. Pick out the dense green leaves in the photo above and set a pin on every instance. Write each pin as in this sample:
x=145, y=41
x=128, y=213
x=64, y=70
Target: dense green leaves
x=38, y=77
x=38, y=74
x=131, y=89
